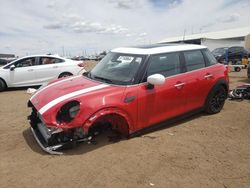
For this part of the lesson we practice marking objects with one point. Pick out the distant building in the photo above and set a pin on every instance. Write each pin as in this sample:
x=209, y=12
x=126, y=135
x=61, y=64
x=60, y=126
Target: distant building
x=7, y=56
x=226, y=38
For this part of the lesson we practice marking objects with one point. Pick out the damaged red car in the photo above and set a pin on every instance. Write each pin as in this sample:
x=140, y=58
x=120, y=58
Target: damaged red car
x=130, y=90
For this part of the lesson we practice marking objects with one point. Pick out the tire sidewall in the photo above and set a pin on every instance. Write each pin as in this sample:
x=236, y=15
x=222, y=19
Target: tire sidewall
x=208, y=108
x=237, y=69
x=2, y=85
x=65, y=74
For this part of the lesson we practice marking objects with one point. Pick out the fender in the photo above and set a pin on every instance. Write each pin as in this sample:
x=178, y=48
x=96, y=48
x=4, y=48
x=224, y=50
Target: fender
x=121, y=120
x=221, y=82
x=224, y=83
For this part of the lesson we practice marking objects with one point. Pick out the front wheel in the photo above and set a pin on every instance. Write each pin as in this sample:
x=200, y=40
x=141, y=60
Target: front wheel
x=216, y=100
x=2, y=85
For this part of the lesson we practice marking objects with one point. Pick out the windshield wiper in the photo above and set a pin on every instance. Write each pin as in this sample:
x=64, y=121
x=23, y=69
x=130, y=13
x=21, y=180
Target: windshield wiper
x=104, y=79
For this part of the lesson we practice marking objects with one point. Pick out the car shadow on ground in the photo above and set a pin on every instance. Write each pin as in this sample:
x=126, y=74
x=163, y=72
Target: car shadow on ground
x=81, y=148
x=31, y=142
x=19, y=88
x=105, y=138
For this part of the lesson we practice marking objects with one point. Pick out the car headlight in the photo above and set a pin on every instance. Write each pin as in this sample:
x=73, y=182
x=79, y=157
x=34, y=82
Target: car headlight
x=68, y=111
x=73, y=111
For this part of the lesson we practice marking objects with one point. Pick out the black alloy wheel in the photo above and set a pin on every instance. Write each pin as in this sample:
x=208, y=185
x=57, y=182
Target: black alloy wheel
x=216, y=100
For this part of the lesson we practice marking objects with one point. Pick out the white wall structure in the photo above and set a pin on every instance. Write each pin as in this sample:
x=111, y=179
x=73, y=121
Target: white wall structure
x=217, y=43
x=247, y=42
x=226, y=38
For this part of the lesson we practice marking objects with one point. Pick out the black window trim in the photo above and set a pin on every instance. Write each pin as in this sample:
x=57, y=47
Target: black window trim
x=140, y=76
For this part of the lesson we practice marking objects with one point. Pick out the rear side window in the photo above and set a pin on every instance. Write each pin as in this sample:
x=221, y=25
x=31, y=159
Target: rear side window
x=209, y=57
x=165, y=64
x=56, y=60
x=194, y=60
x=50, y=60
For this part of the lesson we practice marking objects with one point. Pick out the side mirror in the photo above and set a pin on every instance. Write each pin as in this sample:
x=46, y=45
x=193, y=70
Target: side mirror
x=155, y=79
x=12, y=67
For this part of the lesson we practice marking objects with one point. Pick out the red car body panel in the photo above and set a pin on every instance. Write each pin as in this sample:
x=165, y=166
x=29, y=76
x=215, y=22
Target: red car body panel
x=149, y=106
x=90, y=102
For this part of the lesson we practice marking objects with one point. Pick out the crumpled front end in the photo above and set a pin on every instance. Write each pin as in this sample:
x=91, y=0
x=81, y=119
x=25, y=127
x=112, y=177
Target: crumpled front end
x=52, y=139
x=61, y=110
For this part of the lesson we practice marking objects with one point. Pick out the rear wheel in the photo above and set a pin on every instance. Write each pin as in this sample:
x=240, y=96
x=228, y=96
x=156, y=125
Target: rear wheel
x=237, y=69
x=216, y=100
x=65, y=74
x=2, y=85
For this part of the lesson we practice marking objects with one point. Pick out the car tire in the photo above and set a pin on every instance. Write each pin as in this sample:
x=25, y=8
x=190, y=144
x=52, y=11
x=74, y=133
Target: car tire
x=64, y=74
x=237, y=69
x=215, y=100
x=2, y=85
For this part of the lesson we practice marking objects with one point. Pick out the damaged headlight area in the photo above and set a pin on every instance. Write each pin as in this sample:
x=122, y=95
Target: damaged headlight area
x=52, y=139
x=68, y=112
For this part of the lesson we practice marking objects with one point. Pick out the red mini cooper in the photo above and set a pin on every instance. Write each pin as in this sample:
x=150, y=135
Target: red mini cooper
x=130, y=90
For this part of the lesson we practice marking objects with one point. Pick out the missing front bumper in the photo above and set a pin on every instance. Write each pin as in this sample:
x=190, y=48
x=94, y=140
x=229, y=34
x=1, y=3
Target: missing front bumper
x=42, y=143
x=53, y=139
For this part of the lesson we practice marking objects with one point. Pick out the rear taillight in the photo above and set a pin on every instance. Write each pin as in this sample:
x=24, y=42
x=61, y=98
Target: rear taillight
x=81, y=64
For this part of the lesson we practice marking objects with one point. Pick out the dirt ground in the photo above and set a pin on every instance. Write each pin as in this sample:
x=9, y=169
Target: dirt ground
x=201, y=151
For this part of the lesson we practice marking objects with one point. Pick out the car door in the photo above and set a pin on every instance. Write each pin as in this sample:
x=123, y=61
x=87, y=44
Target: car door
x=163, y=101
x=198, y=79
x=49, y=68
x=23, y=73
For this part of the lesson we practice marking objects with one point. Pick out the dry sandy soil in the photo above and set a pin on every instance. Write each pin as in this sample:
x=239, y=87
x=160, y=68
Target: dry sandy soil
x=201, y=151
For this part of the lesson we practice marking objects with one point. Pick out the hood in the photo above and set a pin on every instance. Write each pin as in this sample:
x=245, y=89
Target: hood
x=64, y=90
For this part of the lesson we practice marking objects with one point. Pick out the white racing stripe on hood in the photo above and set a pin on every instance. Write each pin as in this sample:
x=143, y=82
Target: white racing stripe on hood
x=63, y=80
x=70, y=95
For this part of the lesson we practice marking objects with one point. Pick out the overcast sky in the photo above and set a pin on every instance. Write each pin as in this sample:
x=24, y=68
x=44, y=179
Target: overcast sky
x=76, y=27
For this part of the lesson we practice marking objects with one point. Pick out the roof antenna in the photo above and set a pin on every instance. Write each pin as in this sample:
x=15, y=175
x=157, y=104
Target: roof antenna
x=184, y=33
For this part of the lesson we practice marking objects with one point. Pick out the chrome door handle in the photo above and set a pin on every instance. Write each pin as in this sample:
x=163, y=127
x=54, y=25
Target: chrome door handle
x=180, y=85
x=55, y=66
x=208, y=76
x=30, y=70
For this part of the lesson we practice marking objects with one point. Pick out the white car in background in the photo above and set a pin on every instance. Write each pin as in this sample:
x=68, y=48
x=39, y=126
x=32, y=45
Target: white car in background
x=37, y=70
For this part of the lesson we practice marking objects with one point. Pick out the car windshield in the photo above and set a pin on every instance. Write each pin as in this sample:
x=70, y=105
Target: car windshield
x=117, y=68
x=219, y=51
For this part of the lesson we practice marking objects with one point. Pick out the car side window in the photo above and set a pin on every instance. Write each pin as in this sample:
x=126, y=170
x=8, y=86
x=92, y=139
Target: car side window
x=25, y=62
x=209, y=57
x=166, y=64
x=49, y=60
x=194, y=60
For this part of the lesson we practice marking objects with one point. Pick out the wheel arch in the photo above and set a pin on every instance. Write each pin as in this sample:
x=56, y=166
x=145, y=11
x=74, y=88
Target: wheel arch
x=220, y=82
x=4, y=82
x=65, y=72
x=223, y=83
x=118, y=119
